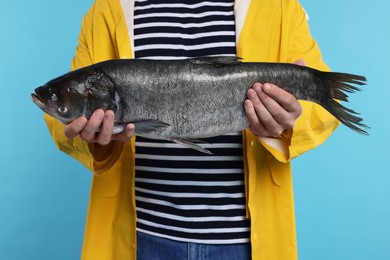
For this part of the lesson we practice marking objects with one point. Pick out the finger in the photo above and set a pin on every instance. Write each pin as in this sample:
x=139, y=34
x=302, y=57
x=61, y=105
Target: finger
x=255, y=124
x=126, y=135
x=252, y=94
x=300, y=62
x=284, y=98
x=104, y=136
x=266, y=112
x=273, y=106
x=74, y=128
x=283, y=112
x=274, y=117
x=94, y=122
x=261, y=120
x=259, y=110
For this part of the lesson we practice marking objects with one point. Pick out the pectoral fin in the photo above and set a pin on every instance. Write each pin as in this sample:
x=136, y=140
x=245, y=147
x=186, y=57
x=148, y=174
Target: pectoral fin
x=191, y=145
x=118, y=128
x=145, y=126
x=141, y=126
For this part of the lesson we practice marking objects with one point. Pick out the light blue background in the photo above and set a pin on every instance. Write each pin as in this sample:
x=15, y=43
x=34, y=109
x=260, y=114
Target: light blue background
x=342, y=189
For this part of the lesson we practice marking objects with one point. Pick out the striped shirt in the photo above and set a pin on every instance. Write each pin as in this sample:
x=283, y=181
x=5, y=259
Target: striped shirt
x=174, y=30
x=182, y=194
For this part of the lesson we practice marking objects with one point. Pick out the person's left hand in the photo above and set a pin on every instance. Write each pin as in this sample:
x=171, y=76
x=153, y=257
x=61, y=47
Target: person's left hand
x=271, y=110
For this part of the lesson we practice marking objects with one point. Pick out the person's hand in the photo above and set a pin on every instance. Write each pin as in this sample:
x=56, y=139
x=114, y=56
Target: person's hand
x=271, y=110
x=86, y=128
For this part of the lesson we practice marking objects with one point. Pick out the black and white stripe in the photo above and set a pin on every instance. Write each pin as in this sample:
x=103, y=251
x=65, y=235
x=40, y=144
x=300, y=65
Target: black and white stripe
x=182, y=194
x=187, y=196
x=173, y=30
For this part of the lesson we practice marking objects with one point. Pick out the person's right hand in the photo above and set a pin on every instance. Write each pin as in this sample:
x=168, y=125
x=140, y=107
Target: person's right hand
x=87, y=128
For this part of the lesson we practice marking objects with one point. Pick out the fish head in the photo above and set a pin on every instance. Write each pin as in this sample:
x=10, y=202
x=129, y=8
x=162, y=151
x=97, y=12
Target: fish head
x=75, y=94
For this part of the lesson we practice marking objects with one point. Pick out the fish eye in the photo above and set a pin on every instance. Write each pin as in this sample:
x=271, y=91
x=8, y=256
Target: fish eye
x=62, y=110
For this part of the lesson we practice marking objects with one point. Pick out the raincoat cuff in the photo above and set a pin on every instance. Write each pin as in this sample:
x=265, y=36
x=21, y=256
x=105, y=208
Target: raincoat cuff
x=278, y=146
x=104, y=157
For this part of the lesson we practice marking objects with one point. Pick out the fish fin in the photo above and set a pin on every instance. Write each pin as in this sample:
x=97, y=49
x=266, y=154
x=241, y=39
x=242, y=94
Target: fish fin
x=192, y=140
x=217, y=61
x=118, y=128
x=339, y=84
x=145, y=126
x=141, y=126
x=191, y=145
x=346, y=116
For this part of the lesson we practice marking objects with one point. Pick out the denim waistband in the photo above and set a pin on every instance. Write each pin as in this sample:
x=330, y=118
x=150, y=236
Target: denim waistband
x=151, y=247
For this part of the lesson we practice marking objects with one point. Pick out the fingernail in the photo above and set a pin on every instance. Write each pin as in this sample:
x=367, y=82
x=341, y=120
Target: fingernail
x=99, y=114
x=247, y=104
x=252, y=93
x=129, y=128
x=267, y=87
x=257, y=87
x=108, y=116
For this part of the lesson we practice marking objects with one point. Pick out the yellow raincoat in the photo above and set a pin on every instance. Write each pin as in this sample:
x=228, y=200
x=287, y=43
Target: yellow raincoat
x=267, y=30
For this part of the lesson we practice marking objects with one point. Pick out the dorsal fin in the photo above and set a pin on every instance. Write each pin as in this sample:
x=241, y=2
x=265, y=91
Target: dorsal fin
x=217, y=61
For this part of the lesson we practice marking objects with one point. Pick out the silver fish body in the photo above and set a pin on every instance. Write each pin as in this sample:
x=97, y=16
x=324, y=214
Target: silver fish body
x=188, y=99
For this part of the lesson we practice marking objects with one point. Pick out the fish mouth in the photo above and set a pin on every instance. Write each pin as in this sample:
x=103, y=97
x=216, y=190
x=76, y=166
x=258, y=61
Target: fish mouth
x=38, y=101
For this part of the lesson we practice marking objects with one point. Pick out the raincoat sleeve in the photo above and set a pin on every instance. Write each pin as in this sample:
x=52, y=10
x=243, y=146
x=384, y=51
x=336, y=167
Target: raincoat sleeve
x=88, y=52
x=315, y=124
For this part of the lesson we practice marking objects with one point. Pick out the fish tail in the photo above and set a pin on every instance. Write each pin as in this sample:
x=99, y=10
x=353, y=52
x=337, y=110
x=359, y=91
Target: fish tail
x=339, y=85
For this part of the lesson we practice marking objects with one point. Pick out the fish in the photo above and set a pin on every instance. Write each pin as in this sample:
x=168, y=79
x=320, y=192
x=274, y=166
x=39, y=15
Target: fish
x=186, y=100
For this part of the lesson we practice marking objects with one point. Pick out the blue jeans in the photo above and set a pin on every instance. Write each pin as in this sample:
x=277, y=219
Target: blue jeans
x=155, y=248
